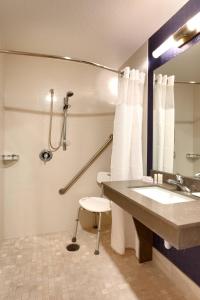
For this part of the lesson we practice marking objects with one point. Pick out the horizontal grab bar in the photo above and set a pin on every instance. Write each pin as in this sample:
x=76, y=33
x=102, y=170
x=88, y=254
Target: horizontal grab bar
x=86, y=166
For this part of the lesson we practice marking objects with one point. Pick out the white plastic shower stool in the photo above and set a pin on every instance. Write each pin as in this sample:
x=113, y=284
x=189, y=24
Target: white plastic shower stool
x=97, y=205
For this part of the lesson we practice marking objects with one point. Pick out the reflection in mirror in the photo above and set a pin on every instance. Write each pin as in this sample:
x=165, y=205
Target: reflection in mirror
x=176, y=128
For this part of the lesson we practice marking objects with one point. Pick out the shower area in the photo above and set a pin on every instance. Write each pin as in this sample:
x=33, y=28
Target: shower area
x=83, y=96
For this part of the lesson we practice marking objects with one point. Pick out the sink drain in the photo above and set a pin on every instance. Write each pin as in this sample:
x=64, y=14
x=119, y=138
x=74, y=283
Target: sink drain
x=73, y=247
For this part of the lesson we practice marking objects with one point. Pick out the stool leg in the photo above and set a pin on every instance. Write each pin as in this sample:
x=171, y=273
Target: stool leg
x=95, y=221
x=76, y=226
x=96, y=252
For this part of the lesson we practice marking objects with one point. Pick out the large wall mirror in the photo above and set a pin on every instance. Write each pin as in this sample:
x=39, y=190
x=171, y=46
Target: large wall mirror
x=176, y=114
x=173, y=138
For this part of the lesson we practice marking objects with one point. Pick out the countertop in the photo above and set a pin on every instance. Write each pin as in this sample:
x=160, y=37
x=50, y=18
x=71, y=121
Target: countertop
x=175, y=217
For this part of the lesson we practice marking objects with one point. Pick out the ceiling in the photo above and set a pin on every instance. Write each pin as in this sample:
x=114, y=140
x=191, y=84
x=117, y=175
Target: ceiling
x=104, y=31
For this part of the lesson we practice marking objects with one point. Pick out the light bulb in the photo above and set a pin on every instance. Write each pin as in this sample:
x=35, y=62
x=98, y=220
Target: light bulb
x=169, y=43
x=194, y=23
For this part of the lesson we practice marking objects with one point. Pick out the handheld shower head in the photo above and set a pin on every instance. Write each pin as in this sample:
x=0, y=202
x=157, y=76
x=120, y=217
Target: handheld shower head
x=66, y=99
x=65, y=108
x=69, y=94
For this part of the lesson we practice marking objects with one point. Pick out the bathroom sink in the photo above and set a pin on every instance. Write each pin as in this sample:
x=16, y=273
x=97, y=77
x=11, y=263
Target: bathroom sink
x=197, y=194
x=174, y=216
x=161, y=195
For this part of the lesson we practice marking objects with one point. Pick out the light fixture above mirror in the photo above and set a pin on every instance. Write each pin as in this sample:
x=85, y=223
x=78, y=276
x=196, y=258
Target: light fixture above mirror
x=183, y=35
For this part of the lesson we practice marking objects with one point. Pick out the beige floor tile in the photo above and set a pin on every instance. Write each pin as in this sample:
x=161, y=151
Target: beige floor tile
x=40, y=268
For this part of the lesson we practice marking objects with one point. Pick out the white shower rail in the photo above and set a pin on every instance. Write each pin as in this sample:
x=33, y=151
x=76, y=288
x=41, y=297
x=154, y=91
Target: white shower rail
x=65, y=58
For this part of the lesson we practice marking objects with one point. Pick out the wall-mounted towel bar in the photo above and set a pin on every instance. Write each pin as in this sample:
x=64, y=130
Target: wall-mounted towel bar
x=9, y=157
x=192, y=155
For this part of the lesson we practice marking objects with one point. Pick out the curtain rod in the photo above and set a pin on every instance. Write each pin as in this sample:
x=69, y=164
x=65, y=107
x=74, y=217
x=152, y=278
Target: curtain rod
x=187, y=82
x=183, y=82
x=66, y=58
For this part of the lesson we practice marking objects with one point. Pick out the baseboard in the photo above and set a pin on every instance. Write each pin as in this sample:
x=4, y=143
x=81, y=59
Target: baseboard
x=189, y=288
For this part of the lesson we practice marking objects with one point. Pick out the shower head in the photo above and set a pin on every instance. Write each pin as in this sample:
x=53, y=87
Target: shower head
x=66, y=100
x=69, y=94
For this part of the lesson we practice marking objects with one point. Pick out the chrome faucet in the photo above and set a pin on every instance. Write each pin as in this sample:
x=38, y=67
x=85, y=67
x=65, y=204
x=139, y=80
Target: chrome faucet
x=179, y=182
x=197, y=175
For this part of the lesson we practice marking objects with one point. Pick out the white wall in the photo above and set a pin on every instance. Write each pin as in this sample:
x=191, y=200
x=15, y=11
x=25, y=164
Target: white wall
x=139, y=60
x=1, y=146
x=31, y=199
x=184, y=128
x=187, y=128
x=1, y=137
x=197, y=127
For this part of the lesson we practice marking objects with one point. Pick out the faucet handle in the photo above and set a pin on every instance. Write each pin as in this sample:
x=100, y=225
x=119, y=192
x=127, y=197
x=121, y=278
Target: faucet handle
x=179, y=178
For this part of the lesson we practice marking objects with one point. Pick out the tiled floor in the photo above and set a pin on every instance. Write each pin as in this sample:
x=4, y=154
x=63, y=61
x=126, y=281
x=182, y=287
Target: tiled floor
x=40, y=268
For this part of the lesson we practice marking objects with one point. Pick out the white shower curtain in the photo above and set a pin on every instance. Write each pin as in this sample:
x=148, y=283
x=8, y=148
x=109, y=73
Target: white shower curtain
x=163, y=127
x=126, y=160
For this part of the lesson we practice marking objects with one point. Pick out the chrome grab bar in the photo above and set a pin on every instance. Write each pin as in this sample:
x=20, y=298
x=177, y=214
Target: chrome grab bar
x=86, y=166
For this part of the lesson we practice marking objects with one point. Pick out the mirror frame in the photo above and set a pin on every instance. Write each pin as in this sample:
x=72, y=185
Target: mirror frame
x=191, y=8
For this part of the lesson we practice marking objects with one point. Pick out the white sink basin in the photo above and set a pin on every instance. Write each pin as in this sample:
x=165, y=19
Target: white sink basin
x=197, y=194
x=161, y=195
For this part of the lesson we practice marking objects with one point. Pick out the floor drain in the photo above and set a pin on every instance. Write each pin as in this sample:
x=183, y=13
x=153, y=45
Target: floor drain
x=73, y=247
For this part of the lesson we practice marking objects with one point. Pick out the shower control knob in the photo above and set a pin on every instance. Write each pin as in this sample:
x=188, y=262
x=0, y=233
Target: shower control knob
x=45, y=155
